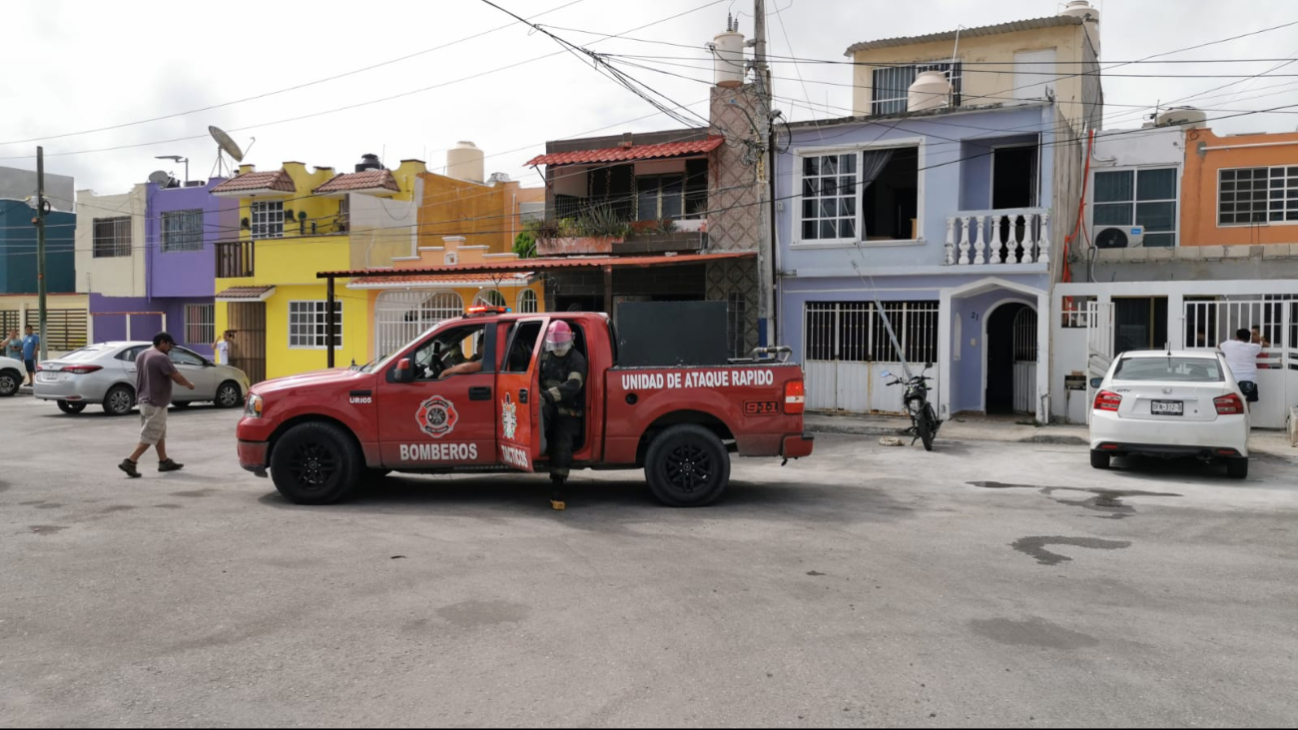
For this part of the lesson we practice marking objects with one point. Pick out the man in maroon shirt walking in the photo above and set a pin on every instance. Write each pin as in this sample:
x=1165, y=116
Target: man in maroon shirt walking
x=155, y=372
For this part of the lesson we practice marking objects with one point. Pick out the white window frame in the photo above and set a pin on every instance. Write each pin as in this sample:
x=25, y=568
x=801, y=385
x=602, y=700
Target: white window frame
x=954, y=73
x=184, y=241
x=483, y=298
x=919, y=143
x=1135, y=170
x=1290, y=181
x=317, y=313
x=207, y=321
x=534, y=300
x=271, y=214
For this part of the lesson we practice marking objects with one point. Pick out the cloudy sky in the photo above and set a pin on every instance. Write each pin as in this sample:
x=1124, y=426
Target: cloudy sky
x=264, y=70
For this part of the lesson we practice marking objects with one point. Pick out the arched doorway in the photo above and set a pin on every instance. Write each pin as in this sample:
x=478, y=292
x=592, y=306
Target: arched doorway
x=1011, y=367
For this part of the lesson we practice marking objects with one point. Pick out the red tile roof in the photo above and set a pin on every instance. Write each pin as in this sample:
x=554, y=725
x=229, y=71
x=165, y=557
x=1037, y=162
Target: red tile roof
x=244, y=293
x=635, y=152
x=520, y=277
x=276, y=180
x=364, y=180
x=543, y=264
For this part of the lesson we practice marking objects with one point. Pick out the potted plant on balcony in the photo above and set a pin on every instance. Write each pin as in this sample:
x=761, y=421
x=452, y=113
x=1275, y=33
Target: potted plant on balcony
x=594, y=232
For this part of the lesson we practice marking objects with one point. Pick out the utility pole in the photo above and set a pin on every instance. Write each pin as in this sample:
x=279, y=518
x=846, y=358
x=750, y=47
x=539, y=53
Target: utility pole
x=765, y=182
x=40, y=245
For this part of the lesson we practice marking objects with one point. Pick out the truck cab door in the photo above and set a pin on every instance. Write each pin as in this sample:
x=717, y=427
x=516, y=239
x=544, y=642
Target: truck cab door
x=518, y=395
x=441, y=412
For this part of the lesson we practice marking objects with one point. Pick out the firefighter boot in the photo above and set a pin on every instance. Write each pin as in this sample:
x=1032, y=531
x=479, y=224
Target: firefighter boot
x=556, y=492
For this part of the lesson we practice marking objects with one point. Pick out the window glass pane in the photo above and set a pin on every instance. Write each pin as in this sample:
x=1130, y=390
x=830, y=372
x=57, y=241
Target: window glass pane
x=847, y=164
x=1113, y=186
x=847, y=206
x=1159, y=240
x=1156, y=216
x=1113, y=214
x=811, y=166
x=1156, y=184
x=827, y=229
x=809, y=209
x=847, y=228
x=810, y=230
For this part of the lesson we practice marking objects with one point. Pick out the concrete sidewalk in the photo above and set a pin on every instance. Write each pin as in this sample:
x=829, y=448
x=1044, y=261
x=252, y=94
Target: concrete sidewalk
x=1273, y=442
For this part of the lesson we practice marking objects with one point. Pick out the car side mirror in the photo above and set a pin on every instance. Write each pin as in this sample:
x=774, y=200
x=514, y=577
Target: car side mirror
x=1097, y=382
x=404, y=371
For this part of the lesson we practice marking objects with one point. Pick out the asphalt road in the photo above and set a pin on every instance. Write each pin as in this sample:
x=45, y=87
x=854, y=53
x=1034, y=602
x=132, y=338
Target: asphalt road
x=982, y=584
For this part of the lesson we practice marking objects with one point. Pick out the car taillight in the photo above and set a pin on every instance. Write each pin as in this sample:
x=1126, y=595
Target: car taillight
x=82, y=369
x=1107, y=401
x=795, y=397
x=1229, y=405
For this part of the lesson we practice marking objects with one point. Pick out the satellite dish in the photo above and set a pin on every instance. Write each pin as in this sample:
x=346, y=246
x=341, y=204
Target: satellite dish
x=160, y=178
x=226, y=143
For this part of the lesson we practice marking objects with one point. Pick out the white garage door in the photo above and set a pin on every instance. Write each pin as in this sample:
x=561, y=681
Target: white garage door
x=400, y=316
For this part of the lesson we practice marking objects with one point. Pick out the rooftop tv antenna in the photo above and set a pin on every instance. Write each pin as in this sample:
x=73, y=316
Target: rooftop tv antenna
x=225, y=145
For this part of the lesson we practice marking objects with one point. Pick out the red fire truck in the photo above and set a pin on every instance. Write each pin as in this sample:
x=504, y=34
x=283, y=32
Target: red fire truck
x=319, y=435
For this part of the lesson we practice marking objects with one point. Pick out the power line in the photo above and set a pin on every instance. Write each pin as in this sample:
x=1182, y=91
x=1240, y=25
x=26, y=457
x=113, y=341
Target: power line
x=289, y=88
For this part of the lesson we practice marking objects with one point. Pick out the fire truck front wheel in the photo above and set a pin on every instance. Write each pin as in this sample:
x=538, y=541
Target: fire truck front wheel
x=687, y=466
x=316, y=463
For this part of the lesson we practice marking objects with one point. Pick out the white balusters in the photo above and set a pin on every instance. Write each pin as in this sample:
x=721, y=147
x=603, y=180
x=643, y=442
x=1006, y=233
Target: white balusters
x=998, y=238
x=964, y=241
x=950, y=242
x=1043, y=252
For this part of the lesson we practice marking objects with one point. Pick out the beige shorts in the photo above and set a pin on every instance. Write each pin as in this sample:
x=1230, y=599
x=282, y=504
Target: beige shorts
x=153, y=424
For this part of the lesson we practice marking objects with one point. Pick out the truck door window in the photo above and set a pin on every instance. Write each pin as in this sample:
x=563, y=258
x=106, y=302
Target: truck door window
x=453, y=349
x=522, y=342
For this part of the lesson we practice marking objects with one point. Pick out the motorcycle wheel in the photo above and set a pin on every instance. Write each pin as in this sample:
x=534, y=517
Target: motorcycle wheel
x=927, y=426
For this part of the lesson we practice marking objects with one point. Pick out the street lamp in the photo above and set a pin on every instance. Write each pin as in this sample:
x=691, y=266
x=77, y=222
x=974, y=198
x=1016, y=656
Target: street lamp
x=177, y=158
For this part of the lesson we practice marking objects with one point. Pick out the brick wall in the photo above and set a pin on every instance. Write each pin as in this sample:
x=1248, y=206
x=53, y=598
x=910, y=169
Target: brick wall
x=733, y=188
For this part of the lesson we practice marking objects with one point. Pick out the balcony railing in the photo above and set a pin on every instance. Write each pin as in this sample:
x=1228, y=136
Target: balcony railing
x=998, y=237
x=235, y=259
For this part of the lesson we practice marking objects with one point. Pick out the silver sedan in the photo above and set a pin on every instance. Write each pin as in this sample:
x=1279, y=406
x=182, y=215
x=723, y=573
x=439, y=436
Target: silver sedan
x=105, y=373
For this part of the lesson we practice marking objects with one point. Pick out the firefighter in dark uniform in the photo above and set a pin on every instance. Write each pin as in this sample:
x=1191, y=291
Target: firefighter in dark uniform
x=563, y=390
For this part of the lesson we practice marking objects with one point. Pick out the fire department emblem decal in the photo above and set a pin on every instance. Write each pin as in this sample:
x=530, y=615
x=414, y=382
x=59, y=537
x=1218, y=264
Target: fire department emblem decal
x=436, y=417
x=509, y=417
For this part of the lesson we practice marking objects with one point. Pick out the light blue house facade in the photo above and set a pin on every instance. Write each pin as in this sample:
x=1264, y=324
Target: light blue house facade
x=947, y=221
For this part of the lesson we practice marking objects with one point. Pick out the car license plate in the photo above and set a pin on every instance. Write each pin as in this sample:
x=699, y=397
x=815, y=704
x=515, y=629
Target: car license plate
x=50, y=377
x=1167, y=408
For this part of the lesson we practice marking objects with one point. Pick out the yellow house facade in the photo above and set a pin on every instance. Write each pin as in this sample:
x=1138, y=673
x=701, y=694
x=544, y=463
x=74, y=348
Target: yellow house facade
x=294, y=223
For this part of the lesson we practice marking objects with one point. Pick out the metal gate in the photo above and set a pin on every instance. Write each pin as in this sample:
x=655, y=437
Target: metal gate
x=248, y=353
x=1025, y=361
x=1099, y=346
x=847, y=348
x=1206, y=324
x=401, y=316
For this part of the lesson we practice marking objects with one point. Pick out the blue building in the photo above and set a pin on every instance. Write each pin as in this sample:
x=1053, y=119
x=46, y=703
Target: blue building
x=18, y=246
x=946, y=220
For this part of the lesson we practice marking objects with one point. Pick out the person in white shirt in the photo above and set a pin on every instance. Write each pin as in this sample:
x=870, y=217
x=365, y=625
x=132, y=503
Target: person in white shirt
x=222, y=348
x=1241, y=355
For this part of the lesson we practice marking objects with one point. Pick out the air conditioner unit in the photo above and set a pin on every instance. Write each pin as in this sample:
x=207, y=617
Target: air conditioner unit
x=1120, y=237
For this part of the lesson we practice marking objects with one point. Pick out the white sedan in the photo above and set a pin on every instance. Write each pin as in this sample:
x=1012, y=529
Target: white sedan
x=1170, y=404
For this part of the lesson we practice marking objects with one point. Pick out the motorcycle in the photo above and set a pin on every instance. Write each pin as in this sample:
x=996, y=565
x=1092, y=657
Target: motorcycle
x=924, y=421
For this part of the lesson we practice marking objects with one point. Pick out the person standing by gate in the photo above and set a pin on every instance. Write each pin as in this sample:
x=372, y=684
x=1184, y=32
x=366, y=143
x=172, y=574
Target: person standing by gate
x=222, y=348
x=155, y=372
x=563, y=394
x=1241, y=355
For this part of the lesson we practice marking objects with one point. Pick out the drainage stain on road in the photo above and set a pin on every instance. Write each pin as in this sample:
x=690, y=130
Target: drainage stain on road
x=1036, y=547
x=1033, y=632
x=1108, y=501
x=47, y=529
x=195, y=493
x=475, y=614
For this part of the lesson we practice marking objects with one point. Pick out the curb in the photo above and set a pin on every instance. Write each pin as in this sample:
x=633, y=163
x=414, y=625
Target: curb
x=866, y=430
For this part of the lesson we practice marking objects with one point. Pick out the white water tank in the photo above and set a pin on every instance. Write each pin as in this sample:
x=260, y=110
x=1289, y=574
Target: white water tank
x=1184, y=116
x=728, y=59
x=1091, y=17
x=464, y=162
x=931, y=90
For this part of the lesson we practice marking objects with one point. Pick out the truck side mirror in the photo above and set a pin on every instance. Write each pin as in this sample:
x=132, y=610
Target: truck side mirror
x=404, y=371
x=1097, y=382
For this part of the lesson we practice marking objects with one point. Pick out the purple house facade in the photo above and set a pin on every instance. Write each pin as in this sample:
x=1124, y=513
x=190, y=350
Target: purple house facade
x=178, y=286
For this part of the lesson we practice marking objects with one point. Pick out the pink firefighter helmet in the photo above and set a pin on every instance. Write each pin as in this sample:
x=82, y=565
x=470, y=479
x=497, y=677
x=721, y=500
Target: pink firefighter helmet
x=558, y=337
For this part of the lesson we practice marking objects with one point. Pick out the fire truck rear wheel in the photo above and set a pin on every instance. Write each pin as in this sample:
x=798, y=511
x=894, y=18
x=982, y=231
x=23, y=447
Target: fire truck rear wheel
x=687, y=466
x=316, y=463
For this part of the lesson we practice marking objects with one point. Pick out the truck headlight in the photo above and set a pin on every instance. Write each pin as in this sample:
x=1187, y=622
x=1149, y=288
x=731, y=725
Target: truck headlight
x=253, y=407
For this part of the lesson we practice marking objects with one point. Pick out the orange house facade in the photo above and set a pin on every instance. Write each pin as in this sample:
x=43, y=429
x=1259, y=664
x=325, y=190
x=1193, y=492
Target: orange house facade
x=1239, y=190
